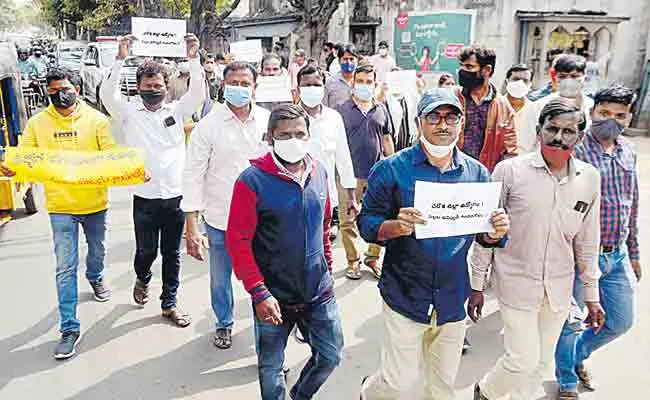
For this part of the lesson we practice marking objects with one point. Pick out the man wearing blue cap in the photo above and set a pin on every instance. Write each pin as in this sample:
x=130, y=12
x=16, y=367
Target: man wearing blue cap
x=425, y=282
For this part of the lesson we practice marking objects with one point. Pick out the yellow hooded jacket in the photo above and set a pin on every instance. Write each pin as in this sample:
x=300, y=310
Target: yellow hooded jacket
x=86, y=129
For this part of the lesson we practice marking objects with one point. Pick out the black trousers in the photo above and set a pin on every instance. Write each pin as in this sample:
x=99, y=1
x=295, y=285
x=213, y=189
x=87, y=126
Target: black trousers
x=159, y=222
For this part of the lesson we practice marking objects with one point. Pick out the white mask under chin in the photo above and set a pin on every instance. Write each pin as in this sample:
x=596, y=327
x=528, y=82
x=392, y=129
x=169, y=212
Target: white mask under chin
x=438, y=151
x=290, y=150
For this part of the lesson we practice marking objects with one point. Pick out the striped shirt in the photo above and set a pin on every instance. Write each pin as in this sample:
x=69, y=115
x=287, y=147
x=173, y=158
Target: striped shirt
x=619, y=182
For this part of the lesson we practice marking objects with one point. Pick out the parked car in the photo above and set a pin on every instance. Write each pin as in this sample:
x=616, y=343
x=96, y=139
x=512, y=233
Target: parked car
x=128, y=83
x=95, y=65
x=69, y=53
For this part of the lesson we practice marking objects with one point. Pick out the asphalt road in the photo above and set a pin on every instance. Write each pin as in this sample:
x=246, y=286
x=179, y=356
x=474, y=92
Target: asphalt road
x=129, y=353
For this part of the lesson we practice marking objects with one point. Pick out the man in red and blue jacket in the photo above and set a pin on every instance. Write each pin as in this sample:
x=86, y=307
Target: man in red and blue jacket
x=278, y=239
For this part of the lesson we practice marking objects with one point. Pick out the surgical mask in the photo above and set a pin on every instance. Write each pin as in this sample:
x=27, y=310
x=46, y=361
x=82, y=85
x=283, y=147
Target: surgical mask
x=238, y=96
x=62, y=99
x=220, y=69
x=348, y=67
x=363, y=92
x=555, y=154
x=517, y=89
x=312, y=96
x=383, y=52
x=152, y=97
x=470, y=80
x=607, y=129
x=570, y=87
x=438, y=151
x=290, y=150
x=209, y=68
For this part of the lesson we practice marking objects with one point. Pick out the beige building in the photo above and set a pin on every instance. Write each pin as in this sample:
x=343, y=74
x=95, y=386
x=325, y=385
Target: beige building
x=612, y=33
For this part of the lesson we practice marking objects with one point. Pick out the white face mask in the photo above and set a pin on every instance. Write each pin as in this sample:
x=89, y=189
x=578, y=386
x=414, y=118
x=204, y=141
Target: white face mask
x=517, y=89
x=312, y=96
x=383, y=52
x=570, y=87
x=290, y=150
x=438, y=151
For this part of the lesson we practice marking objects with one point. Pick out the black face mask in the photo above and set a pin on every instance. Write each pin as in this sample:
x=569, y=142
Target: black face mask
x=63, y=99
x=37, y=55
x=470, y=80
x=152, y=97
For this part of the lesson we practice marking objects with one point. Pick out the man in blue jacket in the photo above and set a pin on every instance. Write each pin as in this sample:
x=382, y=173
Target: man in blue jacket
x=425, y=282
x=278, y=203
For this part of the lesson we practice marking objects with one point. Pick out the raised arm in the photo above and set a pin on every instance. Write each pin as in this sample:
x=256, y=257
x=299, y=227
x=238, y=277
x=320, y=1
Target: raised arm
x=192, y=100
x=109, y=91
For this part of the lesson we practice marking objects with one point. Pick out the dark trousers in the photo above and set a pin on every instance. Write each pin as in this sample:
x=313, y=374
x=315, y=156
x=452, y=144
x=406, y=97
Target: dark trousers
x=159, y=221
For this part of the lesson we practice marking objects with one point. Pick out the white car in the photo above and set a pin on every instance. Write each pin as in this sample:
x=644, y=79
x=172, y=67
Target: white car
x=95, y=65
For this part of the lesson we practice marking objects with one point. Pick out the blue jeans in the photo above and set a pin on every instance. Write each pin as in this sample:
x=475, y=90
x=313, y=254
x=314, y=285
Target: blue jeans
x=65, y=233
x=617, y=285
x=220, y=278
x=321, y=326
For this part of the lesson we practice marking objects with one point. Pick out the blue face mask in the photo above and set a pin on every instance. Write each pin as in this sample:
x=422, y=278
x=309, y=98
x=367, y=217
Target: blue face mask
x=348, y=67
x=363, y=92
x=237, y=96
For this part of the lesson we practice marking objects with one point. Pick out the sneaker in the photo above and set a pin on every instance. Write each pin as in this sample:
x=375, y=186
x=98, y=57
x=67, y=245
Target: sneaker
x=477, y=393
x=101, y=291
x=467, y=346
x=67, y=346
x=140, y=293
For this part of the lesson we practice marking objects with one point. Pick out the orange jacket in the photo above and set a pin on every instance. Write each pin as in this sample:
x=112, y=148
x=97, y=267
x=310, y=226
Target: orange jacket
x=500, y=140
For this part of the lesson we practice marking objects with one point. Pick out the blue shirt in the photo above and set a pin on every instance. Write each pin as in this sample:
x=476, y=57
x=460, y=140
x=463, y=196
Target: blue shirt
x=426, y=275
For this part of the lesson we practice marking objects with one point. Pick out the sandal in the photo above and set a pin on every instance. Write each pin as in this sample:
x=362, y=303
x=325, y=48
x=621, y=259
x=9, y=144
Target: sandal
x=222, y=338
x=374, y=268
x=585, y=378
x=140, y=293
x=567, y=395
x=354, y=271
x=177, y=316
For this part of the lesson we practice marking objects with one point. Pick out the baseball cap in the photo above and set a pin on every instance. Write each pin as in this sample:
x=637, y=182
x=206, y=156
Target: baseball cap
x=435, y=98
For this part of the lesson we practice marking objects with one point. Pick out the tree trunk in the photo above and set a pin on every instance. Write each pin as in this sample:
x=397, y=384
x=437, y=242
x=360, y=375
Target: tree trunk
x=194, y=24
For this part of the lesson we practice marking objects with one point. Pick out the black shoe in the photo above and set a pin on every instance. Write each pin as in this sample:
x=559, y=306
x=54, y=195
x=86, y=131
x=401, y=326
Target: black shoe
x=101, y=291
x=67, y=346
x=467, y=346
x=477, y=393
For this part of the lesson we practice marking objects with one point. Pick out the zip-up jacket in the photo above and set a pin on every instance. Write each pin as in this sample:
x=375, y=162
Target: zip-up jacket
x=278, y=234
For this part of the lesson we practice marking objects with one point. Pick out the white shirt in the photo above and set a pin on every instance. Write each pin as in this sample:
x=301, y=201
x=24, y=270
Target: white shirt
x=221, y=147
x=529, y=118
x=329, y=146
x=163, y=144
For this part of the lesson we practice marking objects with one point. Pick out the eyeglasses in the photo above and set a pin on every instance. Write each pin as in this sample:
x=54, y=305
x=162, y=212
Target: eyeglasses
x=434, y=118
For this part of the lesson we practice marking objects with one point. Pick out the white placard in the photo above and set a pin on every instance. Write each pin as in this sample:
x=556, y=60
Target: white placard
x=157, y=37
x=273, y=89
x=247, y=50
x=405, y=80
x=453, y=209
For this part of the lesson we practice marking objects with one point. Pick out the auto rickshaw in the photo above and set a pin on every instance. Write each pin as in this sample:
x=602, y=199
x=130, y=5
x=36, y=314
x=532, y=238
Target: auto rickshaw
x=13, y=118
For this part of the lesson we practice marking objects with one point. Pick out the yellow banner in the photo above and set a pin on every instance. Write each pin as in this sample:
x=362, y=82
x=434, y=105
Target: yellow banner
x=118, y=167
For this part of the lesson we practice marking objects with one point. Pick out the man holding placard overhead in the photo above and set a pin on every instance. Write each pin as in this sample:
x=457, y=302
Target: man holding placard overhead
x=157, y=128
x=425, y=281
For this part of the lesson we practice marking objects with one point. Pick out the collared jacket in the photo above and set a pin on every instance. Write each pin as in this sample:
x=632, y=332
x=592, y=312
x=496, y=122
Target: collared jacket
x=419, y=276
x=500, y=140
x=278, y=234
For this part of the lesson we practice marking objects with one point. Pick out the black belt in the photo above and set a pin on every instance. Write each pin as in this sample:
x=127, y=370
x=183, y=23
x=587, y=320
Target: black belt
x=607, y=249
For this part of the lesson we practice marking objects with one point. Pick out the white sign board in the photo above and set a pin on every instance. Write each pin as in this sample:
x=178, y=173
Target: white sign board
x=159, y=37
x=404, y=80
x=247, y=50
x=273, y=89
x=453, y=209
